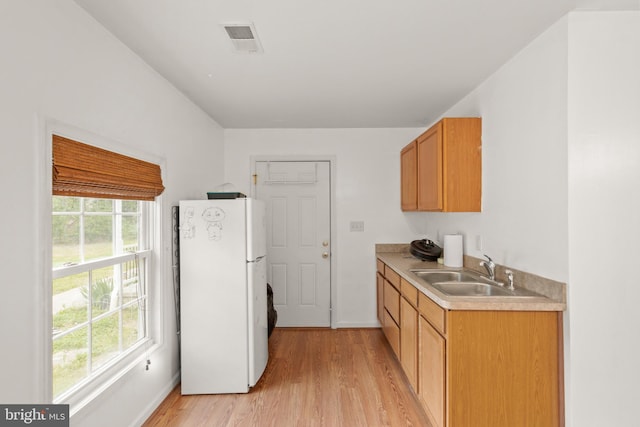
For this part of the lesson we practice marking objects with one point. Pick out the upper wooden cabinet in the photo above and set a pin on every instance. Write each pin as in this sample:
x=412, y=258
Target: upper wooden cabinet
x=441, y=170
x=409, y=177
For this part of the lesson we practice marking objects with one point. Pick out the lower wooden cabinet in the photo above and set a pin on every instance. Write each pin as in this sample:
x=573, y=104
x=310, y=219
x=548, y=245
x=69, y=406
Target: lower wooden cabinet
x=392, y=333
x=392, y=301
x=503, y=368
x=491, y=368
x=409, y=342
x=431, y=371
x=476, y=368
x=389, y=308
x=380, y=297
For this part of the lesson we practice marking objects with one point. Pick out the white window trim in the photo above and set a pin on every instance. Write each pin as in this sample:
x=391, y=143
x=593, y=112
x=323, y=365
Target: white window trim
x=42, y=343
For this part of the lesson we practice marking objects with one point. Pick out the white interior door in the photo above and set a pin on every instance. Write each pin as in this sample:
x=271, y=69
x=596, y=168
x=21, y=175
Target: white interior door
x=297, y=195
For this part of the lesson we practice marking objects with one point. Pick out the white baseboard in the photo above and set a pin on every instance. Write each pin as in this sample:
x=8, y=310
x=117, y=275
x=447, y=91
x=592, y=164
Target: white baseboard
x=374, y=324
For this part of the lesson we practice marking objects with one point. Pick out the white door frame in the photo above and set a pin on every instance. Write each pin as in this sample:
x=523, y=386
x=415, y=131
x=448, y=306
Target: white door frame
x=332, y=217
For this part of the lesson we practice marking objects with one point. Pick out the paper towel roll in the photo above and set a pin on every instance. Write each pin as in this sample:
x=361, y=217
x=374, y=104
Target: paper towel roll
x=453, y=250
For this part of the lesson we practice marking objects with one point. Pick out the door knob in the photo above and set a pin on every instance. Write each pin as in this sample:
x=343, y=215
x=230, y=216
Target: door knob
x=325, y=243
x=325, y=254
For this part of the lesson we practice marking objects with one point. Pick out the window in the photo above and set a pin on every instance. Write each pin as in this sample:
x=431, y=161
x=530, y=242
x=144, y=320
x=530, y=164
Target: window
x=101, y=255
x=103, y=204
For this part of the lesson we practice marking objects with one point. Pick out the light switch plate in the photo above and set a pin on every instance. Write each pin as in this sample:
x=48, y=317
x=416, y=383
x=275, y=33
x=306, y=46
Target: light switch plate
x=356, y=226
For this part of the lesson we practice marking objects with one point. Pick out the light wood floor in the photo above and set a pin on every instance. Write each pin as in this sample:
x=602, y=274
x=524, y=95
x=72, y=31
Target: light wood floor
x=315, y=377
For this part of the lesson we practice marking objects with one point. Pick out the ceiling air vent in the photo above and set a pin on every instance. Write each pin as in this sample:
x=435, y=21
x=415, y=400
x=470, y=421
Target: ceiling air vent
x=243, y=37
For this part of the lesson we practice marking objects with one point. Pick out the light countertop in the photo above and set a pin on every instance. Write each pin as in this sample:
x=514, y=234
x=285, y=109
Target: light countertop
x=402, y=262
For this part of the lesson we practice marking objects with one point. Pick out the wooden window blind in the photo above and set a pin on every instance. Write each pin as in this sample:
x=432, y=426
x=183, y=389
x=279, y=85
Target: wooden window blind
x=87, y=171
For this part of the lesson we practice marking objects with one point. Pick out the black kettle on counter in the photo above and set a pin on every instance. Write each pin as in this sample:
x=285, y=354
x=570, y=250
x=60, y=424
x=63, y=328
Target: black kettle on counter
x=425, y=250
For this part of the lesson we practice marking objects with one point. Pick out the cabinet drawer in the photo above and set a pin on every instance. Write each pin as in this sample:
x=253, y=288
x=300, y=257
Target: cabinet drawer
x=392, y=277
x=392, y=332
x=380, y=266
x=432, y=312
x=392, y=301
x=409, y=292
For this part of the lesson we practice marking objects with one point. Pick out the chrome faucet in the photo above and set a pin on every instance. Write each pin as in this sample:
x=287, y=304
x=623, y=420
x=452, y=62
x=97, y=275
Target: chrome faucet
x=490, y=266
x=509, y=274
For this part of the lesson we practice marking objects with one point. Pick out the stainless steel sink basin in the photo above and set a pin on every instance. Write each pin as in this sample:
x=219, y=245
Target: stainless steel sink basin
x=470, y=289
x=461, y=283
x=445, y=276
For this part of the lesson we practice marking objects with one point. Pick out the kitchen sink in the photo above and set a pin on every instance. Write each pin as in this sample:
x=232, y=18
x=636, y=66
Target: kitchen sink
x=470, y=289
x=445, y=276
x=462, y=283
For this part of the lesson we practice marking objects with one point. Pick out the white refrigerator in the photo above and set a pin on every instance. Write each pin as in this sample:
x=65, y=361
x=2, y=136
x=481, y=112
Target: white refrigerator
x=223, y=295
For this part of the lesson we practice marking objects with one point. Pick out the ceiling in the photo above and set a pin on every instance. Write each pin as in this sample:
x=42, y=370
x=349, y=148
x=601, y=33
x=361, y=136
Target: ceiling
x=331, y=63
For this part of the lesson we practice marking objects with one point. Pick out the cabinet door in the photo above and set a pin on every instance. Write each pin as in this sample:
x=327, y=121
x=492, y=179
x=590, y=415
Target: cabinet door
x=392, y=332
x=462, y=164
x=392, y=301
x=380, y=296
x=409, y=342
x=429, y=150
x=409, y=177
x=513, y=360
x=431, y=372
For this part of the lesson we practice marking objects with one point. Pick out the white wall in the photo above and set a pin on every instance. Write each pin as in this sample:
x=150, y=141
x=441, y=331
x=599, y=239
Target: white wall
x=604, y=222
x=367, y=189
x=523, y=223
x=59, y=65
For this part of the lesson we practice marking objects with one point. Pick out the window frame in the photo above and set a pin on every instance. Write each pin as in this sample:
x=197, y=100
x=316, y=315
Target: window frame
x=43, y=349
